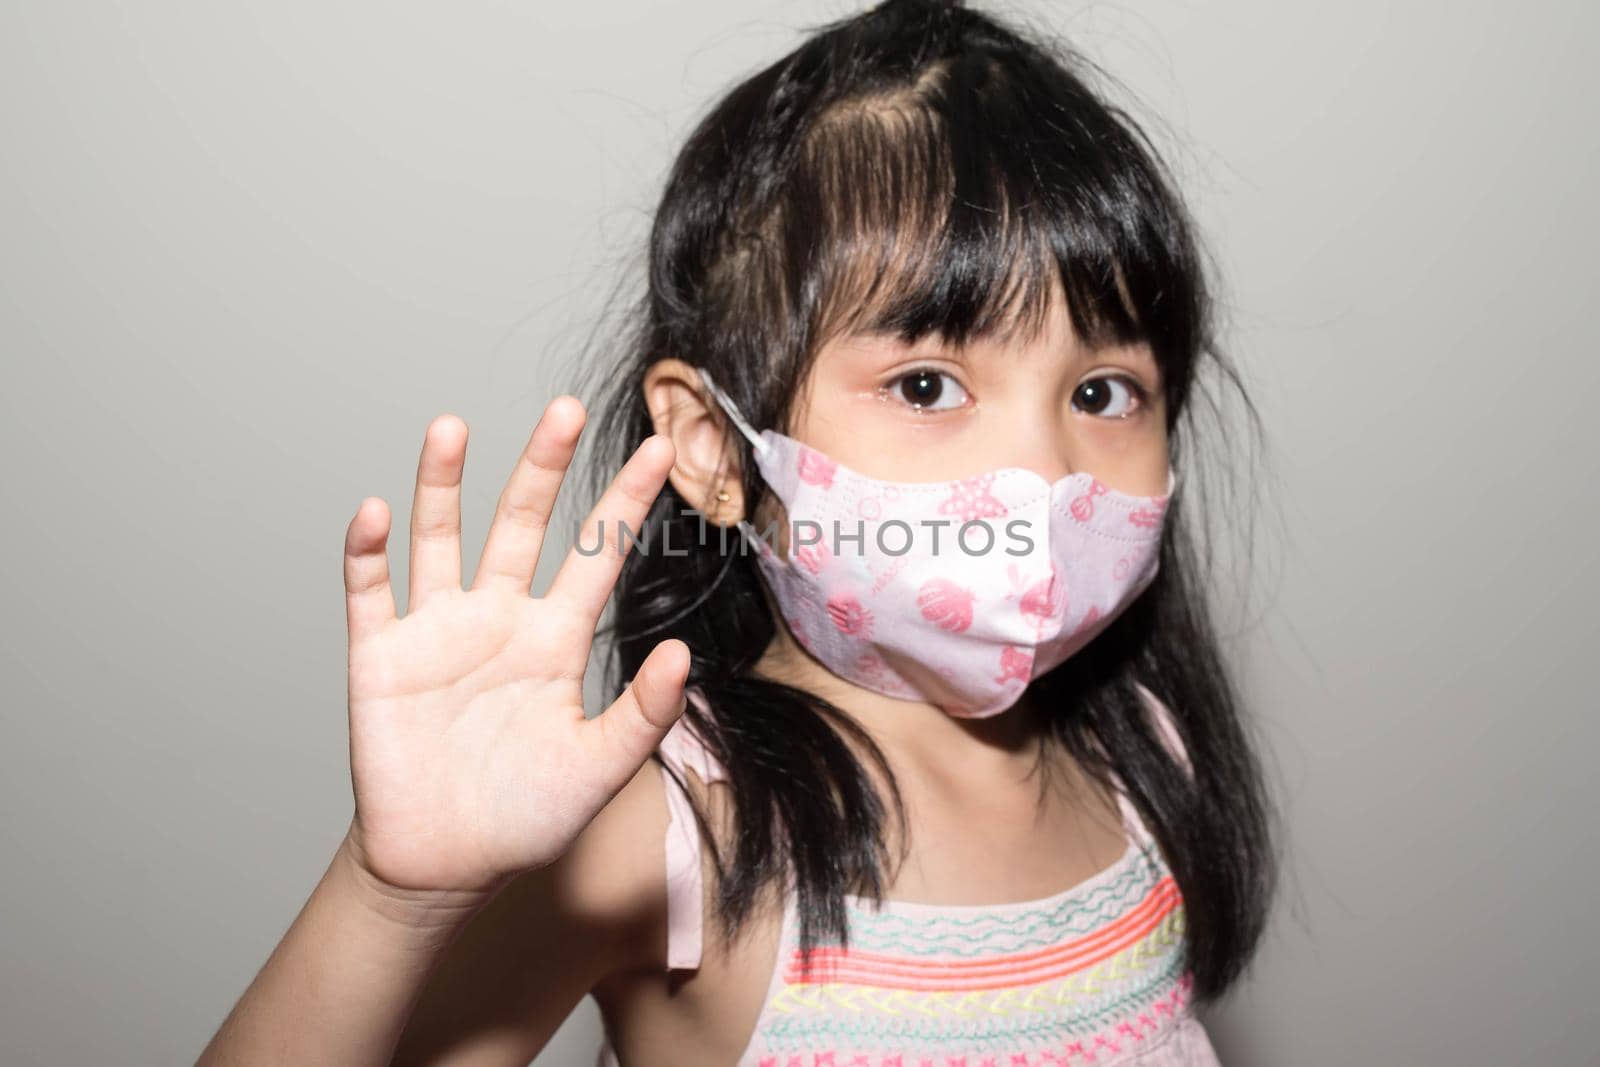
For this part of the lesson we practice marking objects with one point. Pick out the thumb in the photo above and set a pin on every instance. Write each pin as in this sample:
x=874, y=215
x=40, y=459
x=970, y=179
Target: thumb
x=629, y=730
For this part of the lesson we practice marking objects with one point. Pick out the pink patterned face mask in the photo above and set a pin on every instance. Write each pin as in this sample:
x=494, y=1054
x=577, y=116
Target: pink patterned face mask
x=956, y=593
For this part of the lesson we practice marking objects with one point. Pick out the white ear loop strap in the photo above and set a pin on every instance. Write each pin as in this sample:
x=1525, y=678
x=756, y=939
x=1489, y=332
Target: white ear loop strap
x=756, y=440
x=732, y=411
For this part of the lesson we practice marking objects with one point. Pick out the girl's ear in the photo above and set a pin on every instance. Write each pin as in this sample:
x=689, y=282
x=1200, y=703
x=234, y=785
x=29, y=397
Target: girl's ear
x=706, y=472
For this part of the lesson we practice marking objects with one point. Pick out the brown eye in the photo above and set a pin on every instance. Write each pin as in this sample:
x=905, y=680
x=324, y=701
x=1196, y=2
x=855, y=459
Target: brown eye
x=930, y=390
x=1112, y=398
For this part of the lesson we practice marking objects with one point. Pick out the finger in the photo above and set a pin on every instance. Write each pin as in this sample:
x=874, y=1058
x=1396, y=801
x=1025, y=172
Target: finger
x=368, y=597
x=523, y=514
x=436, y=511
x=594, y=561
x=623, y=736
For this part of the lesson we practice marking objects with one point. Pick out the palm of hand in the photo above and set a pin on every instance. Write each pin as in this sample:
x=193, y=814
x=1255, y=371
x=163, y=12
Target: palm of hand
x=471, y=757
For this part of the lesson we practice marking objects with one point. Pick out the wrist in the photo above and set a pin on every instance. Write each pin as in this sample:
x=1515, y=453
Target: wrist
x=424, y=911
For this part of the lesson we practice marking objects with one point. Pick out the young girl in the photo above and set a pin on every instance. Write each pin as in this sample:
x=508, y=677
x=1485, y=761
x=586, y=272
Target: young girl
x=948, y=769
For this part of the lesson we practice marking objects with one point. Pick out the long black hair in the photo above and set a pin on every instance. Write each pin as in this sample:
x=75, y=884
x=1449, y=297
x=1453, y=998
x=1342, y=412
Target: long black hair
x=925, y=168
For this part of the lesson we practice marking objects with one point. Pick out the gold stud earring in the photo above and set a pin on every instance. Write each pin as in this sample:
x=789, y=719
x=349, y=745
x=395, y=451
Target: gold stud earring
x=722, y=498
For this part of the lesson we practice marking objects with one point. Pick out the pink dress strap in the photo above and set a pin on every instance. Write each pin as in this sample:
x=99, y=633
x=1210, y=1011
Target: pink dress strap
x=1167, y=729
x=683, y=749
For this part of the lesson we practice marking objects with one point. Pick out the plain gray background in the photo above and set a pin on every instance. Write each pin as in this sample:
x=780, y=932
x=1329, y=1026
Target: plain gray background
x=250, y=249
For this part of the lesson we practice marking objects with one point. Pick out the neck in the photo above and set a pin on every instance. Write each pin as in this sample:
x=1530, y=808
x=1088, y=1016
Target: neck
x=912, y=729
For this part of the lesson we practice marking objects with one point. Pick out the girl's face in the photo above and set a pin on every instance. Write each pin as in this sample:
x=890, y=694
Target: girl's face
x=930, y=412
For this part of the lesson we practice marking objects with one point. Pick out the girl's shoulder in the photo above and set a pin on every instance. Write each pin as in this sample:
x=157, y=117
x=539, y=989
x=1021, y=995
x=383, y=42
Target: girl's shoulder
x=639, y=867
x=696, y=768
x=612, y=880
x=634, y=877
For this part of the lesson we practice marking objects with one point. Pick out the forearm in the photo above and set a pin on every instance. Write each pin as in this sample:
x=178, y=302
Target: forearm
x=341, y=983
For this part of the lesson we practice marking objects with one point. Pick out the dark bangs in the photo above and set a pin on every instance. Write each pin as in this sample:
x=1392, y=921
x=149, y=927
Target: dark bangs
x=957, y=203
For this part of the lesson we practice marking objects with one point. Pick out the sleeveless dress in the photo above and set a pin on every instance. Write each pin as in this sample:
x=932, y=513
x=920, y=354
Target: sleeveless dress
x=1092, y=974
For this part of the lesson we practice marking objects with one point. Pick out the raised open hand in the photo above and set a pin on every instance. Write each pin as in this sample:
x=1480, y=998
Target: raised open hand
x=469, y=751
